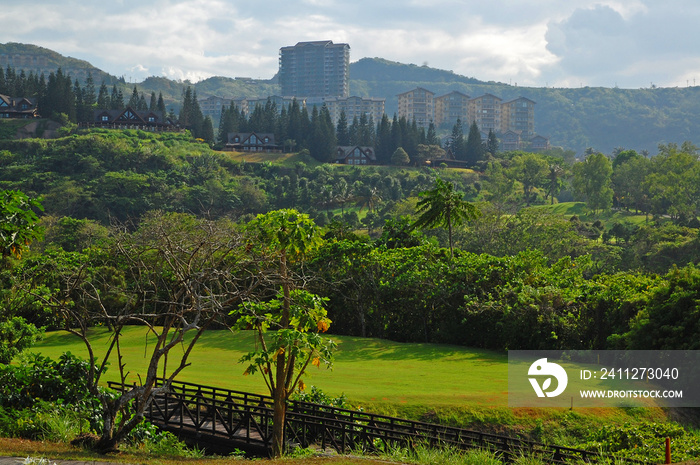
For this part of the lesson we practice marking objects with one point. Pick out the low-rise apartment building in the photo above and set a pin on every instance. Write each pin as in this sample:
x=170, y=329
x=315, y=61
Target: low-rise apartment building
x=451, y=107
x=355, y=107
x=417, y=105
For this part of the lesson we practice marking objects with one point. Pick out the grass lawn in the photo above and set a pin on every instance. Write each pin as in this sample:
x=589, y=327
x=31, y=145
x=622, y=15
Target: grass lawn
x=365, y=370
x=453, y=384
x=437, y=383
x=568, y=209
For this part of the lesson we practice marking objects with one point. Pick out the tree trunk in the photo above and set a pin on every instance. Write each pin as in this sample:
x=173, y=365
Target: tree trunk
x=278, y=418
x=280, y=392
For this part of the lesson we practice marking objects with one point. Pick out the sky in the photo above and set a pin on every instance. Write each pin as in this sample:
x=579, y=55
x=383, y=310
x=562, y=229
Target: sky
x=538, y=43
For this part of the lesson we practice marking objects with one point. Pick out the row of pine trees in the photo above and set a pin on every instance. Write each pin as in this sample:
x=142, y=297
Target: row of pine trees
x=295, y=127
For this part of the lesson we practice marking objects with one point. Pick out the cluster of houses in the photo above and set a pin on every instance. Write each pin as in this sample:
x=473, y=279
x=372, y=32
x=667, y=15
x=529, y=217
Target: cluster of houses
x=17, y=107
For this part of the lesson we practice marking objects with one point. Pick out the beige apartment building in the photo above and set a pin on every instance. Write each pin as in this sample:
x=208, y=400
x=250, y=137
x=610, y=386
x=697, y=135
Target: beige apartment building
x=519, y=115
x=513, y=121
x=213, y=106
x=419, y=105
x=451, y=107
x=355, y=107
x=486, y=111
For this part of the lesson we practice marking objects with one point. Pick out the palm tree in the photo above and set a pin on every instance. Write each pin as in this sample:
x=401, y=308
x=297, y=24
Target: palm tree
x=369, y=198
x=343, y=194
x=444, y=206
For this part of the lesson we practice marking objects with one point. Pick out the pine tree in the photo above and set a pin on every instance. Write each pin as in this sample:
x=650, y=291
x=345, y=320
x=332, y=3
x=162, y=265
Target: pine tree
x=89, y=96
x=191, y=116
x=475, y=148
x=492, y=143
x=153, y=105
x=281, y=132
x=384, y=147
x=364, y=135
x=184, y=117
x=161, y=104
x=269, y=116
x=354, y=131
x=59, y=97
x=103, y=101
x=229, y=122
x=396, y=134
x=431, y=138
x=342, y=132
x=208, y=130
x=116, y=99
x=294, y=125
x=142, y=105
x=323, y=142
x=134, y=100
x=456, y=143
x=78, y=92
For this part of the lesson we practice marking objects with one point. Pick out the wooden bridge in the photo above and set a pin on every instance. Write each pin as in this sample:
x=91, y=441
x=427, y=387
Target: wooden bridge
x=222, y=420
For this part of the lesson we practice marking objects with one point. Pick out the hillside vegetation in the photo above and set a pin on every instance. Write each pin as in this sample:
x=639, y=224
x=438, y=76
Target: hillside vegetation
x=525, y=272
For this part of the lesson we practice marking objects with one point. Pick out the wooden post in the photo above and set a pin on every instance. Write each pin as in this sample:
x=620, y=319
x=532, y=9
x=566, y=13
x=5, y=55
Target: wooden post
x=668, y=450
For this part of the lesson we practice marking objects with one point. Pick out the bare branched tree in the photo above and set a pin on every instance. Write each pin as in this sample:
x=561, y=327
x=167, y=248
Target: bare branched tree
x=174, y=274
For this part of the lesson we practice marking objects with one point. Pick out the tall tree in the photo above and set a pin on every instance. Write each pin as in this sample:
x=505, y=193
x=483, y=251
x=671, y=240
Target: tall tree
x=208, y=131
x=531, y=170
x=153, y=103
x=191, y=116
x=103, y=100
x=431, y=137
x=593, y=181
x=323, y=143
x=116, y=99
x=285, y=238
x=173, y=275
x=444, y=206
x=161, y=104
x=341, y=130
x=456, y=143
x=492, y=143
x=134, y=100
x=383, y=143
x=474, y=151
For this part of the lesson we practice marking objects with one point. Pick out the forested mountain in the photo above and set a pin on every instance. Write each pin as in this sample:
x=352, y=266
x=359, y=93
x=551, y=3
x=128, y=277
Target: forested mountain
x=32, y=58
x=602, y=118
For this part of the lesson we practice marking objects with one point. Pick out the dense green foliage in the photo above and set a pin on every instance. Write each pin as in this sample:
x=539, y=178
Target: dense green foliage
x=619, y=273
x=520, y=277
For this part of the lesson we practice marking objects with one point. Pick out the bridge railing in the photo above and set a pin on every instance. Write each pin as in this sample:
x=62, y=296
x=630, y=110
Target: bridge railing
x=246, y=418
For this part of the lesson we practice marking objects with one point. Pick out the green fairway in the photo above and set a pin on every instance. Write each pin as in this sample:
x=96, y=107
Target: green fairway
x=366, y=370
x=569, y=209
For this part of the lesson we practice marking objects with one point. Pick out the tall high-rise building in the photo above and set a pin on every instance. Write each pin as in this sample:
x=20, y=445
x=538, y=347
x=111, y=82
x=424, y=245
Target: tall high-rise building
x=315, y=70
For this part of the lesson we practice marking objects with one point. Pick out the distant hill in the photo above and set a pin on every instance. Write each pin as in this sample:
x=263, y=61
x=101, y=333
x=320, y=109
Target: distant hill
x=42, y=60
x=379, y=69
x=598, y=117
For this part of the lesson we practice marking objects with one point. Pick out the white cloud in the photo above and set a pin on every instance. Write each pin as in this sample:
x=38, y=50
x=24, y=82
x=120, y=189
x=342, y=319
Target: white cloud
x=596, y=42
